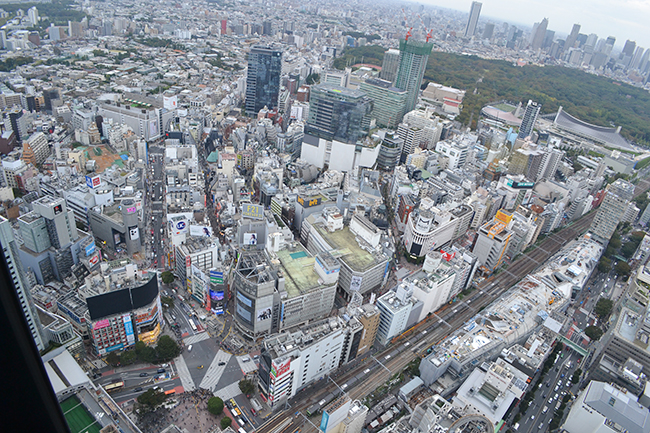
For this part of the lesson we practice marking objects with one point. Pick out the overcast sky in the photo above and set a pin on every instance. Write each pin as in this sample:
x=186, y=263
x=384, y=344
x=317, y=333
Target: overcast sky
x=623, y=19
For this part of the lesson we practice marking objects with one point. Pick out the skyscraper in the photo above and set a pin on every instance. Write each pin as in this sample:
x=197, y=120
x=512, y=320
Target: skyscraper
x=610, y=212
x=572, y=38
x=338, y=113
x=540, y=33
x=628, y=48
x=530, y=117
x=412, y=63
x=472, y=21
x=390, y=65
x=9, y=248
x=388, y=101
x=263, y=81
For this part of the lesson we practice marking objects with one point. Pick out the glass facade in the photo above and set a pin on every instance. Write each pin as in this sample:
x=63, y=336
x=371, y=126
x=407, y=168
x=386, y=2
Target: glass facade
x=389, y=102
x=412, y=63
x=338, y=113
x=263, y=80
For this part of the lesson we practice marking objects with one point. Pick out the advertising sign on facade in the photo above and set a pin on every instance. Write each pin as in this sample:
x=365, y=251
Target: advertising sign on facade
x=101, y=324
x=250, y=238
x=355, y=283
x=255, y=211
x=94, y=259
x=278, y=370
x=134, y=233
x=89, y=249
x=216, y=277
x=309, y=202
x=188, y=261
x=447, y=256
x=128, y=328
x=323, y=422
x=200, y=231
x=264, y=314
x=93, y=181
x=132, y=209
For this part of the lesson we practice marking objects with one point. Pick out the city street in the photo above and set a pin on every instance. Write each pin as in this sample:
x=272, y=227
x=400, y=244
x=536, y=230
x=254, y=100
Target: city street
x=555, y=385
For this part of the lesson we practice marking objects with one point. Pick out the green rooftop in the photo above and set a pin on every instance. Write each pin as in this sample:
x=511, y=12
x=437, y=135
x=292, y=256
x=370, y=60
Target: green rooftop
x=78, y=418
x=299, y=273
x=346, y=247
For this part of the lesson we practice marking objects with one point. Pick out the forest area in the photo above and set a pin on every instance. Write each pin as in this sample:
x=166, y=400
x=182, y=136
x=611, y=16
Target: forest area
x=597, y=100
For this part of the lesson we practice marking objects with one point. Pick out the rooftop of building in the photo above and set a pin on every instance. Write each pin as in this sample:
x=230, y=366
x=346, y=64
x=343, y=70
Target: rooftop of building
x=617, y=406
x=515, y=313
x=339, y=91
x=346, y=246
x=286, y=343
x=601, y=134
x=299, y=273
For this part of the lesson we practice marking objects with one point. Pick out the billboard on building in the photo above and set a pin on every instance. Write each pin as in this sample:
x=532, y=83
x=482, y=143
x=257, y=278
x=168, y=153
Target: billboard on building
x=278, y=370
x=355, y=283
x=101, y=324
x=200, y=231
x=216, y=277
x=170, y=102
x=264, y=314
x=216, y=301
x=89, y=249
x=255, y=211
x=128, y=328
x=132, y=209
x=134, y=233
x=180, y=226
x=309, y=202
x=94, y=259
x=93, y=181
x=250, y=238
x=323, y=422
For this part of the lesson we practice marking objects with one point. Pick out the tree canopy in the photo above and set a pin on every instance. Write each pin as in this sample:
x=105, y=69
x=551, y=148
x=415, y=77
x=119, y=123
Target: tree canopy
x=597, y=100
x=594, y=332
x=167, y=277
x=151, y=399
x=603, y=308
x=246, y=386
x=215, y=406
x=225, y=422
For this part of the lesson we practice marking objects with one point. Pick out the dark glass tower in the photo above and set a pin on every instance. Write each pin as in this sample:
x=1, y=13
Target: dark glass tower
x=263, y=81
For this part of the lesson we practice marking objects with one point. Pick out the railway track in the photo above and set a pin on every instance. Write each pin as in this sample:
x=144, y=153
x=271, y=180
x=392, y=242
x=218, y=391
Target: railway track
x=368, y=374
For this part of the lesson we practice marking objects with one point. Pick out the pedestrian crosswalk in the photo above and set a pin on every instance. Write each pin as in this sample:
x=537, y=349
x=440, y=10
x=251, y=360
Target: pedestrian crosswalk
x=228, y=392
x=184, y=374
x=215, y=370
x=193, y=339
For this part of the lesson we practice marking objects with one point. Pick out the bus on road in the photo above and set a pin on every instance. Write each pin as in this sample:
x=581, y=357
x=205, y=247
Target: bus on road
x=192, y=324
x=112, y=387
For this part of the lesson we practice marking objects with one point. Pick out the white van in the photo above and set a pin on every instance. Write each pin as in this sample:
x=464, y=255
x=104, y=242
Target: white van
x=189, y=348
x=246, y=359
x=241, y=430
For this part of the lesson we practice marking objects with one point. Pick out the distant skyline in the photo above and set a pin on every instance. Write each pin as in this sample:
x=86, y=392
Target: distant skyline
x=623, y=19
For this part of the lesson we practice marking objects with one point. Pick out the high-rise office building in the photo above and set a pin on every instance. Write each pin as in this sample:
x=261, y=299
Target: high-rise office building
x=472, y=21
x=628, y=48
x=412, y=63
x=337, y=113
x=540, y=34
x=388, y=102
x=488, y=31
x=571, y=39
x=10, y=250
x=263, y=81
x=530, y=117
x=390, y=65
x=619, y=194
